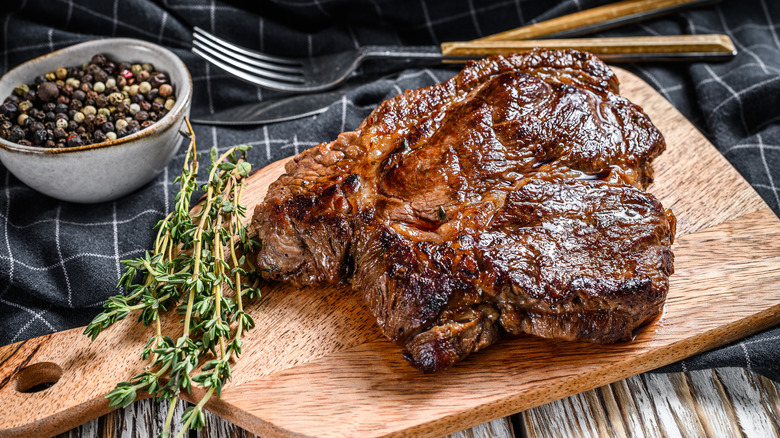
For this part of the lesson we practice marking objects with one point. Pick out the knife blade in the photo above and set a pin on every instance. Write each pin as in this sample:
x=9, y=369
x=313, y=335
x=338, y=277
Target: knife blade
x=273, y=110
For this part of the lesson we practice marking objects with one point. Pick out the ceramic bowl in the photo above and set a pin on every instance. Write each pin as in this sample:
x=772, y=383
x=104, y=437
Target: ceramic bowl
x=104, y=171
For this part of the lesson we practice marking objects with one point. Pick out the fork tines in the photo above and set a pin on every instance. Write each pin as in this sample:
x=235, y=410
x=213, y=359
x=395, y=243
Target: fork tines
x=273, y=72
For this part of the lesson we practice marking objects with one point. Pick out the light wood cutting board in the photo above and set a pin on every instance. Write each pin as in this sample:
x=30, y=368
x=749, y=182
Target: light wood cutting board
x=317, y=365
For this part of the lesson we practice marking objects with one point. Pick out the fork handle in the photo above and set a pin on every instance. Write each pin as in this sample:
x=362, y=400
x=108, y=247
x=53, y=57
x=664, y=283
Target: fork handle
x=597, y=19
x=622, y=49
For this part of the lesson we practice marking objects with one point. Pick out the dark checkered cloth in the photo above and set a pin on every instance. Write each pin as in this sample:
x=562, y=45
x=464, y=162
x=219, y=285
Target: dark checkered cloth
x=59, y=261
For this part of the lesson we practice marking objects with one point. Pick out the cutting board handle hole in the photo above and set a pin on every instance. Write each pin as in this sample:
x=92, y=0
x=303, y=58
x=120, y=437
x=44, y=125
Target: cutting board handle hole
x=37, y=377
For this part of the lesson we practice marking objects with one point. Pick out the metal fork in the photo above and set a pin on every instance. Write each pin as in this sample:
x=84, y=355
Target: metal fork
x=306, y=75
x=300, y=75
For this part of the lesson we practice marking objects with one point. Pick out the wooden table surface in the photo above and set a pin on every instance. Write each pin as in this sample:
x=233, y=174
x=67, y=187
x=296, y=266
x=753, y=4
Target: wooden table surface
x=725, y=402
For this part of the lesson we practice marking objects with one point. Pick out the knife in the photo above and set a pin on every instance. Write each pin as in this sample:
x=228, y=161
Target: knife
x=280, y=109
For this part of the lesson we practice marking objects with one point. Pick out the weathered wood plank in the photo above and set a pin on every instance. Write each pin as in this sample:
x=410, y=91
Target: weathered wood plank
x=717, y=417
x=746, y=397
x=727, y=402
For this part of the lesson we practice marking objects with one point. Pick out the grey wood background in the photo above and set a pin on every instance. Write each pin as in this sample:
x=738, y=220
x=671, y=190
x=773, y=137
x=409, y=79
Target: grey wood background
x=724, y=402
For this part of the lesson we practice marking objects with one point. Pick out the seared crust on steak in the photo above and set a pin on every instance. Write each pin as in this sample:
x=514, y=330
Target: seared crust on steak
x=506, y=199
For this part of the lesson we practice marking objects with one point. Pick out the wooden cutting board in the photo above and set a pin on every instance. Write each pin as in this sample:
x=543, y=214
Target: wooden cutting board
x=317, y=365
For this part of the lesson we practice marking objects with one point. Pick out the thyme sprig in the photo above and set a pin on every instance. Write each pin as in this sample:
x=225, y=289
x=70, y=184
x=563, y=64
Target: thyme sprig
x=196, y=259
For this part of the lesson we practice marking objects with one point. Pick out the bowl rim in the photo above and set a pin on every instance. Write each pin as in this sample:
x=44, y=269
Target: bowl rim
x=163, y=123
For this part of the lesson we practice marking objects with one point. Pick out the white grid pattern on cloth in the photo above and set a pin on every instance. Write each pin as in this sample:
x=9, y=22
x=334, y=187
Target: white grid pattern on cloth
x=119, y=225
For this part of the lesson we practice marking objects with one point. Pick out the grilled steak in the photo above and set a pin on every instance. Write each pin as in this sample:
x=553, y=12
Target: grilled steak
x=508, y=199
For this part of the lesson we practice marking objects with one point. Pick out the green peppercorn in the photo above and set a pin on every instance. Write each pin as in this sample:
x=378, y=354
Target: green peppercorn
x=104, y=112
x=169, y=104
x=135, y=69
x=73, y=82
x=115, y=98
x=61, y=73
x=99, y=87
x=132, y=90
x=51, y=77
x=148, y=67
x=144, y=87
x=25, y=106
x=21, y=90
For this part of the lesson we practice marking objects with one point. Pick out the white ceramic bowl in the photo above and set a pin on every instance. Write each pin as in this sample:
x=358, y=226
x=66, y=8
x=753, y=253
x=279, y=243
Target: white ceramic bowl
x=104, y=171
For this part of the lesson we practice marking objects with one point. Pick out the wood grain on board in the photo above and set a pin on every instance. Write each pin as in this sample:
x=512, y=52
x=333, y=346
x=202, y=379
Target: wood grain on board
x=317, y=365
x=731, y=402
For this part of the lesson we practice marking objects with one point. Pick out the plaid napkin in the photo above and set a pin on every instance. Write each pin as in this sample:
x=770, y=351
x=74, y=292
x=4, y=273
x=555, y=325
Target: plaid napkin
x=59, y=261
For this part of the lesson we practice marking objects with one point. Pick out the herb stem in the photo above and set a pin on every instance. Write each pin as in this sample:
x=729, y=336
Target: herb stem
x=198, y=409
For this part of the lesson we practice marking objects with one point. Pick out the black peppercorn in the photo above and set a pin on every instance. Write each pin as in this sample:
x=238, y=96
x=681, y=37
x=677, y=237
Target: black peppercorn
x=157, y=79
x=36, y=126
x=74, y=141
x=61, y=108
x=16, y=134
x=99, y=59
x=107, y=127
x=10, y=109
x=79, y=95
x=51, y=126
x=141, y=116
x=60, y=133
x=40, y=136
x=99, y=137
x=63, y=99
x=51, y=116
x=47, y=107
x=38, y=80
